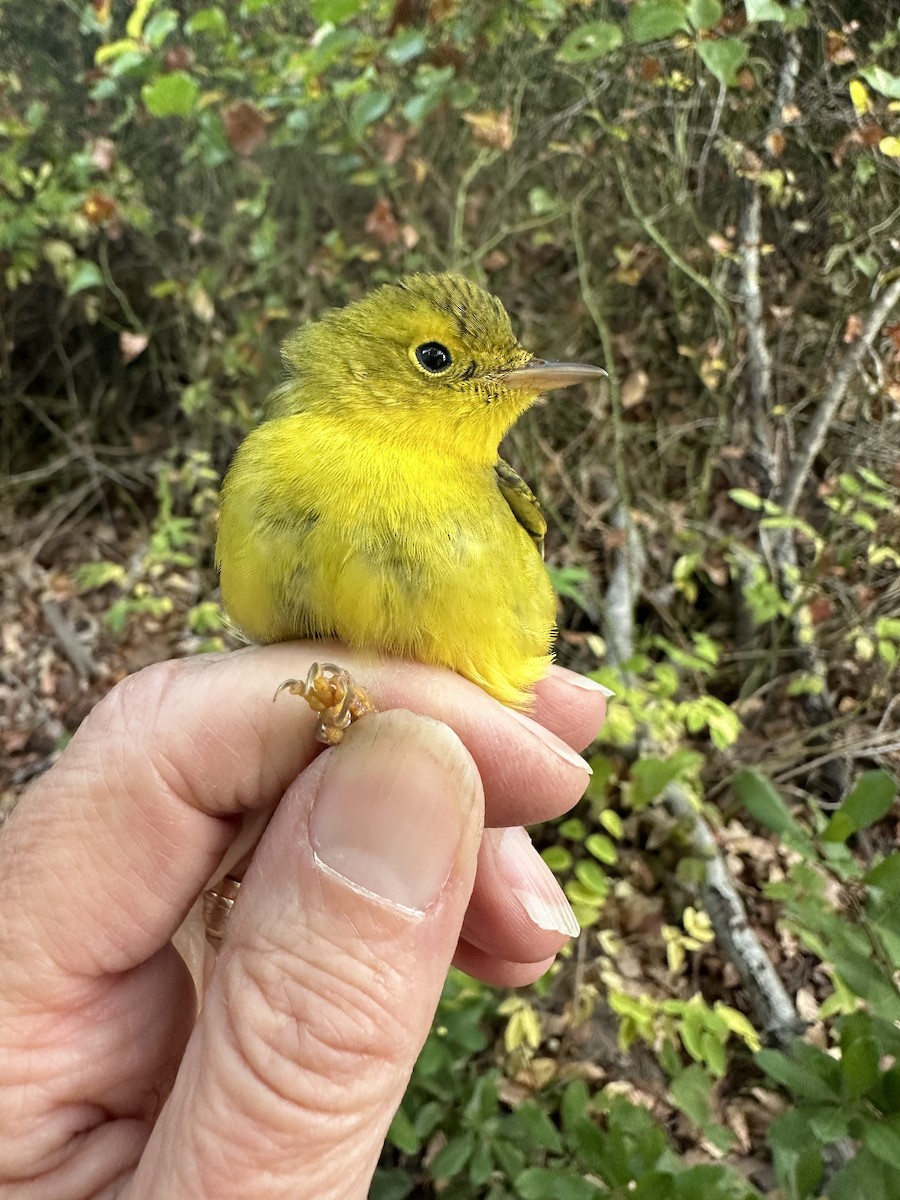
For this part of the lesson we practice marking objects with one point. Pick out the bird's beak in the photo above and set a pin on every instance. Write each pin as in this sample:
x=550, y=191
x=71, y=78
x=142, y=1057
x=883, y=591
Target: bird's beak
x=542, y=376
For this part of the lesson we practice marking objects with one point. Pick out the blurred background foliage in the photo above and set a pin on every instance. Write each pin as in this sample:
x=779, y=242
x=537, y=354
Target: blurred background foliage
x=700, y=194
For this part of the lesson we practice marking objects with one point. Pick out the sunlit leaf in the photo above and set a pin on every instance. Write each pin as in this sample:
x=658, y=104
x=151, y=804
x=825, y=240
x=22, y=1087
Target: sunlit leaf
x=591, y=41
x=764, y=10
x=869, y=801
x=704, y=14
x=652, y=20
x=859, y=94
x=208, y=20
x=335, y=11
x=723, y=57
x=172, y=95
x=85, y=275
x=882, y=81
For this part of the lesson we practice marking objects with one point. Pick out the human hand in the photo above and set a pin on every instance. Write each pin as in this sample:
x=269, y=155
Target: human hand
x=372, y=874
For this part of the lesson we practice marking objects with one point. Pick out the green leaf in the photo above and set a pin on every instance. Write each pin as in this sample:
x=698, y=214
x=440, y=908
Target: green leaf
x=764, y=10
x=591, y=877
x=391, y=1184
x=602, y=848
x=574, y=829
x=551, y=1183
x=869, y=801
x=703, y=14
x=763, y=803
x=692, y=1092
x=652, y=20
x=539, y=1129
x=723, y=58
x=454, y=1156
x=865, y=1177
x=159, y=27
x=172, y=95
x=883, y=1139
x=806, y=1083
x=650, y=777
x=85, y=275
x=406, y=45
x=481, y=1164
x=828, y=1123
x=367, y=109
x=797, y=1158
x=335, y=11
x=886, y=875
x=557, y=858
x=882, y=81
x=402, y=1134
x=575, y=1103
x=612, y=823
x=208, y=20
x=746, y=498
x=860, y=1068
x=591, y=41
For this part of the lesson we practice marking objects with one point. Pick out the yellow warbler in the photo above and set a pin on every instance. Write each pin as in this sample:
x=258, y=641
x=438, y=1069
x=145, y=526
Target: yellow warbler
x=371, y=506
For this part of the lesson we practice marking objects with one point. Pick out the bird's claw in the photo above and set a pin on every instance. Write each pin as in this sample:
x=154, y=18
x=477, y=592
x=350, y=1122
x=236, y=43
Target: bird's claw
x=329, y=691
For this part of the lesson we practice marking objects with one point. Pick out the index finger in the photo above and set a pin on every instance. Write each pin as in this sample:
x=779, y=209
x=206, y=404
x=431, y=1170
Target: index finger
x=140, y=808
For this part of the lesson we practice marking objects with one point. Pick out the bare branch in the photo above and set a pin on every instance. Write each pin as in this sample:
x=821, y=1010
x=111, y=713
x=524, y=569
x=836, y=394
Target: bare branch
x=759, y=360
x=623, y=590
x=772, y=1006
x=793, y=486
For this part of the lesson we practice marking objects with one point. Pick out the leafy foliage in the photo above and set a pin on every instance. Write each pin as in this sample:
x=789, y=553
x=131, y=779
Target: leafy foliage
x=179, y=183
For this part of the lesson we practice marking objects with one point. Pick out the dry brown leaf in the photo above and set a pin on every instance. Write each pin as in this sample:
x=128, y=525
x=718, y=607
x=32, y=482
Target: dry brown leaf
x=179, y=58
x=98, y=208
x=245, y=128
x=634, y=389
x=391, y=144
x=494, y=260
x=651, y=69
x=381, y=223
x=491, y=128
x=837, y=50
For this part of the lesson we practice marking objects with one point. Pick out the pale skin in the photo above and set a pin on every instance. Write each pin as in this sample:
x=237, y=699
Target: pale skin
x=374, y=873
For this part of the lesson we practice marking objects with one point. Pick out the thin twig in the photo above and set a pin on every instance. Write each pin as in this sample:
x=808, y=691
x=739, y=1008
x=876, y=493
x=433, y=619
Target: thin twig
x=668, y=249
x=789, y=495
x=68, y=641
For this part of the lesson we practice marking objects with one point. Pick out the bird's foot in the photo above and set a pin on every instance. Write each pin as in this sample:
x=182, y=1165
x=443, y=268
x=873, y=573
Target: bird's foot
x=329, y=691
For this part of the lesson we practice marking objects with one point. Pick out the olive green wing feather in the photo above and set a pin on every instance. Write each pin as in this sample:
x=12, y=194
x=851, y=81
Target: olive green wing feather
x=523, y=502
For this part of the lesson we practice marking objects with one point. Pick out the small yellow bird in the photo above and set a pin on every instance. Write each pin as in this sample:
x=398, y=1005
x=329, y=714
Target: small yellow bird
x=370, y=506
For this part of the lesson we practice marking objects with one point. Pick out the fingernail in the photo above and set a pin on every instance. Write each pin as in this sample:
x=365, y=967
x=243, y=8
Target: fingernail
x=556, y=744
x=392, y=807
x=580, y=681
x=534, y=885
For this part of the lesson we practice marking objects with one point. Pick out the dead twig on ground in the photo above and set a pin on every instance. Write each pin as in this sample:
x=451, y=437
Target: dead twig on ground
x=772, y=1006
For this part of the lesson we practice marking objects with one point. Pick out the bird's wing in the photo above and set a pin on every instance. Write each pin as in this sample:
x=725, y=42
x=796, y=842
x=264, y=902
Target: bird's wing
x=523, y=502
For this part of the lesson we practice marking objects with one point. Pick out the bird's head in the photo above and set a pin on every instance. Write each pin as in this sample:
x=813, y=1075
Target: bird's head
x=431, y=358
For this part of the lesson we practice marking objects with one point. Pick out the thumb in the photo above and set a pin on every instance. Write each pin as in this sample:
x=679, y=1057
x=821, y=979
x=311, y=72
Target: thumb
x=330, y=973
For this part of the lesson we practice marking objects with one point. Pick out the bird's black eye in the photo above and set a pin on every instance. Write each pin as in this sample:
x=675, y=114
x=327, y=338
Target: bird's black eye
x=434, y=357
